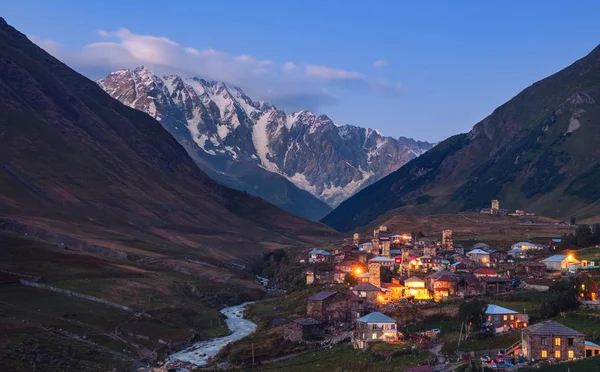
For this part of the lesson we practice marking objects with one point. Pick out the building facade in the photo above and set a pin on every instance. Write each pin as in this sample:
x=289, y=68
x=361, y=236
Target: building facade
x=552, y=341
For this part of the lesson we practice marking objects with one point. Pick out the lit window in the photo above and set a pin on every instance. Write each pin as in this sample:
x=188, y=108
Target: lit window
x=374, y=336
x=544, y=354
x=512, y=317
x=557, y=354
x=571, y=354
x=557, y=341
x=489, y=318
x=505, y=317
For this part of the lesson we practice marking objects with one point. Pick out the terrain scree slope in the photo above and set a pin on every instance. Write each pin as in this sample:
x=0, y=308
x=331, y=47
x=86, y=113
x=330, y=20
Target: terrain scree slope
x=538, y=152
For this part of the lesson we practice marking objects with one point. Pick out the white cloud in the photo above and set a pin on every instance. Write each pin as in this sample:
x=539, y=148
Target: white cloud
x=125, y=49
x=380, y=63
x=288, y=66
x=328, y=73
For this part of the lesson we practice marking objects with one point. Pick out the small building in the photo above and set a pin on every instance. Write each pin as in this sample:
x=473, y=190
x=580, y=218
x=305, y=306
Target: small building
x=526, y=246
x=383, y=261
x=559, y=262
x=552, y=341
x=479, y=256
x=531, y=268
x=587, y=288
x=484, y=271
x=496, y=284
x=482, y=246
x=458, y=267
x=365, y=247
x=302, y=330
x=517, y=253
x=416, y=288
x=501, y=319
x=316, y=305
x=367, y=291
x=375, y=327
x=592, y=349
x=319, y=255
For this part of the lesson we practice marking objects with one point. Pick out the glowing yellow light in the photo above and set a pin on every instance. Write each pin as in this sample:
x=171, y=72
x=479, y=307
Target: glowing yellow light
x=570, y=257
x=380, y=298
x=358, y=271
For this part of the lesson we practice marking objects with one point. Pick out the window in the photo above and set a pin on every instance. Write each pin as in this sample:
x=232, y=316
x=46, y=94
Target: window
x=544, y=354
x=571, y=354
x=512, y=317
x=374, y=336
x=489, y=318
x=570, y=341
x=505, y=317
x=557, y=341
x=544, y=341
x=557, y=354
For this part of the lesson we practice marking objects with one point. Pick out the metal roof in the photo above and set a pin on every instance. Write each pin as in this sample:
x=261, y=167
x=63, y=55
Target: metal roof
x=477, y=251
x=321, y=296
x=414, y=279
x=550, y=328
x=320, y=251
x=381, y=259
x=376, y=317
x=555, y=258
x=366, y=287
x=498, y=310
x=592, y=344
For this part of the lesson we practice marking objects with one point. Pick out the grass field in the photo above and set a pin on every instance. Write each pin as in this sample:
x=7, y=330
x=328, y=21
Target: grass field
x=585, y=365
x=181, y=305
x=345, y=358
x=590, y=254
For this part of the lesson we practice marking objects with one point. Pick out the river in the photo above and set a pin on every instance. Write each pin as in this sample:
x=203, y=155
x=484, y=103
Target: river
x=199, y=353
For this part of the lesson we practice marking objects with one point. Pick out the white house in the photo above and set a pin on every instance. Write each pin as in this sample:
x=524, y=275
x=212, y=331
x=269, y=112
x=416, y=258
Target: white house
x=375, y=327
x=479, y=256
x=525, y=246
x=560, y=262
x=365, y=247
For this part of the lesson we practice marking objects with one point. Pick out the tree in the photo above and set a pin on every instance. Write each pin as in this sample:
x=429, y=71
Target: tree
x=350, y=280
x=385, y=274
x=562, y=296
x=472, y=312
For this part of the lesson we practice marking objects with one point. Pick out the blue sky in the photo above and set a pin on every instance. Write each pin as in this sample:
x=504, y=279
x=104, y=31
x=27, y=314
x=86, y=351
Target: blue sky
x=422, y=69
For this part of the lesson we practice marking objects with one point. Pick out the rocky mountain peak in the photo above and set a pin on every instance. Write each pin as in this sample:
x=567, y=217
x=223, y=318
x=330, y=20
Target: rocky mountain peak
x=331, y=162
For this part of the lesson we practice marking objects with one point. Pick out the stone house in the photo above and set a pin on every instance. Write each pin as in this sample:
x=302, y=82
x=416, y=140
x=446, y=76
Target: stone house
x=368, y=291
x=496, y=284
x=335, y=308
x=375, y=327
x=532, y=268
x=552, y=341
x=501, y=319
x=445, y=285
x=300, y=330
x=481, y=257
x=319, y=255
x=416, y=288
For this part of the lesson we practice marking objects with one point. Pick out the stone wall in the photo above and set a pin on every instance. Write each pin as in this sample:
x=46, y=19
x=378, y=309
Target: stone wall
x=533, y=344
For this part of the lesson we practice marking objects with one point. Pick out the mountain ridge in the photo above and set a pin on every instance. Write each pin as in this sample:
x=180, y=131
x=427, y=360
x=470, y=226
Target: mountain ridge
x=311, y=151
x=534, y=152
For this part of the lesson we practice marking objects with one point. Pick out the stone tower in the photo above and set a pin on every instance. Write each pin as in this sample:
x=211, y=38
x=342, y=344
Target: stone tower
x=495, y=205
x=375, y=273
x=447, y=240
x=356, y=239
x=385, y=248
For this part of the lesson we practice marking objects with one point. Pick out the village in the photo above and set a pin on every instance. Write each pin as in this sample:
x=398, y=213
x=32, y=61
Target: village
x=370, y=282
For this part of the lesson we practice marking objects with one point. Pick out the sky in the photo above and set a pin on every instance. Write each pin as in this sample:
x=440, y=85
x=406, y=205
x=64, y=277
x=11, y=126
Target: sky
x=420, y=69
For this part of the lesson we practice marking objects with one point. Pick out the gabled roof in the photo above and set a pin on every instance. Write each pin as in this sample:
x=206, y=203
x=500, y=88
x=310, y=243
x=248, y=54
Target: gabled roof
x=381, y=259
x=481, y=245
x=321, y=296
x=555, y=258
x=319, y=251
x=376, y=317
x=550, y=327
x=498, y=310
x=307, y=321
x=366, y=287
x=477, y=251
x=525, y=243
x=439, y=274
x=484, y=271
x=414, y=279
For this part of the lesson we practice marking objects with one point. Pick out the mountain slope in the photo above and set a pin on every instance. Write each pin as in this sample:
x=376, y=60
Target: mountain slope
x=221, y=124
x=537, y=152
x=77, y=163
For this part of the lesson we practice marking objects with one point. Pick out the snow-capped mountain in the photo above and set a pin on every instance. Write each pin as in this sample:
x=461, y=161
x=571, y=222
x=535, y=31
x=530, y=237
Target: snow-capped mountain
x=331, y=162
